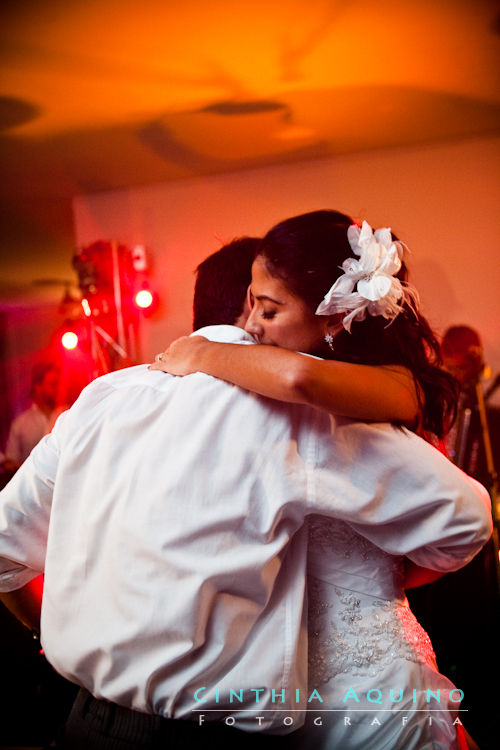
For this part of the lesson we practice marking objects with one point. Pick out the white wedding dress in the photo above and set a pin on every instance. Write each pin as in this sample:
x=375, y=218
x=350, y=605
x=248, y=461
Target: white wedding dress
x=363, y=637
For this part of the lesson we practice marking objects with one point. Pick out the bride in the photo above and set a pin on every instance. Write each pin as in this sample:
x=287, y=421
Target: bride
x=327, y=287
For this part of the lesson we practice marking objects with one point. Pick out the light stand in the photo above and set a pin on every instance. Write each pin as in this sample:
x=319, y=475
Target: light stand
x=107, y=276
x=464, y=419
x=490, y=466
x=96, y=350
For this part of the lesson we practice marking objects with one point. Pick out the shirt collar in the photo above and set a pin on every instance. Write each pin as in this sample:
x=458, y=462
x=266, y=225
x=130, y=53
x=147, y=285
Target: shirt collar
x=225, y=334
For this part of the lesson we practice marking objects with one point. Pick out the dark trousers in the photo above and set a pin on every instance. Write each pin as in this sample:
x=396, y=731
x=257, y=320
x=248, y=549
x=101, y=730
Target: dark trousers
x=100, y=725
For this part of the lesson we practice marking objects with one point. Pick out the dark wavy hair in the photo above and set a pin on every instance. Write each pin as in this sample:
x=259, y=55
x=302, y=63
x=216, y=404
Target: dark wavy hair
x=307, y=252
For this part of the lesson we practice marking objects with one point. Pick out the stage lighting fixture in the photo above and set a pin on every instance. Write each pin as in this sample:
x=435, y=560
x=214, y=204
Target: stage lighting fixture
x=69, y=340
x=144, y=298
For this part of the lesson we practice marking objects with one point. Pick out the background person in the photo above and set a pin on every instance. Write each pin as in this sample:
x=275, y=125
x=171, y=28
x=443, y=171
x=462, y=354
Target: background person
x=31, y=425
x=463, y=357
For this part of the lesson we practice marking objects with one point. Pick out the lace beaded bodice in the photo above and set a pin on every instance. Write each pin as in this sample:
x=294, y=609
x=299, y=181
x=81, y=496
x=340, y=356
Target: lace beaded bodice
x=359, y=618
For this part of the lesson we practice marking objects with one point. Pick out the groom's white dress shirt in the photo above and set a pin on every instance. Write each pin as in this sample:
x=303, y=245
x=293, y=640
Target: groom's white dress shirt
x=167, y=515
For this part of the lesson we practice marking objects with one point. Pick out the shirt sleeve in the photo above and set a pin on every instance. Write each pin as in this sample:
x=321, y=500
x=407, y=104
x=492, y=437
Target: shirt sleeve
x=25, y=505
x=403, y=495
x=26, y=501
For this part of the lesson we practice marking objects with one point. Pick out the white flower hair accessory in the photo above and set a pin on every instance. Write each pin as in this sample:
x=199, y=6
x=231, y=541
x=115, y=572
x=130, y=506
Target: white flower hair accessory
x=378, y=292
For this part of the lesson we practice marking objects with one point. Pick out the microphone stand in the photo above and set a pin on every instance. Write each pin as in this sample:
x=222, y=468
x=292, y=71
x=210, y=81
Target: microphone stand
x=462, y=447
x=490, y=466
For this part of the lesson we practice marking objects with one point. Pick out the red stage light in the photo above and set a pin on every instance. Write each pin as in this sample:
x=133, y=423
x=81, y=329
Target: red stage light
x=69, y=340
x=144, y=298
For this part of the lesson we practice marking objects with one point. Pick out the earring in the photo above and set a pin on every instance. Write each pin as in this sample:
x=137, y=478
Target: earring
x=329, y=340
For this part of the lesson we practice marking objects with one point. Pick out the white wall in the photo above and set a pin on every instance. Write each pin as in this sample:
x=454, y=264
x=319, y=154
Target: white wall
x=442, y=200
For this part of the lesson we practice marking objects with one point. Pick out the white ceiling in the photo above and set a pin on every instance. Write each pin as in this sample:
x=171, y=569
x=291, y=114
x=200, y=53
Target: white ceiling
x=104, y=94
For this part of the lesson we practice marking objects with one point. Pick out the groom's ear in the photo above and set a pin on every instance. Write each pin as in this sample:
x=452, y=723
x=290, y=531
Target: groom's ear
x=249, y=297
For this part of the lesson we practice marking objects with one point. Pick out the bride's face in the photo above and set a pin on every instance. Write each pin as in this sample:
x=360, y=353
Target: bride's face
x=280, y=318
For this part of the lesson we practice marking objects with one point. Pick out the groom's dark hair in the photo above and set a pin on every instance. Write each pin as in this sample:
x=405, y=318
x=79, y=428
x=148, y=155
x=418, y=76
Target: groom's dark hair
x=222, y=281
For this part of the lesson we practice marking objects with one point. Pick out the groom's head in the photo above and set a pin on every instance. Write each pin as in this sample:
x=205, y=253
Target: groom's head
x=221, y=285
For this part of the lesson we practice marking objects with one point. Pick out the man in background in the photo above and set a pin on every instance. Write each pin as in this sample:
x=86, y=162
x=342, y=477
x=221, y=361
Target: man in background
x=29, y=427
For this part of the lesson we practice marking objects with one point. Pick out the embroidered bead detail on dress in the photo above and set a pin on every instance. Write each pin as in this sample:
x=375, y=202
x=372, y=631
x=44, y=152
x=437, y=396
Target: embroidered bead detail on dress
x=337, y=538
x=415, y=635
x=351, y=611
x=360, y=638
x=350, y=631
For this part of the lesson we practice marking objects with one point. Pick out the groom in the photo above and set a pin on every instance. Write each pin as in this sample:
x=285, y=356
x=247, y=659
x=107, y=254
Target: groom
x=167, y=516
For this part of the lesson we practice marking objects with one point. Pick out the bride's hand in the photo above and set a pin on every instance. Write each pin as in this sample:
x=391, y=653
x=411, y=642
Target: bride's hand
x=182, y=356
